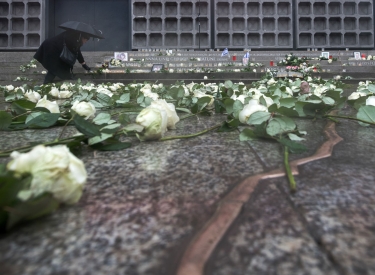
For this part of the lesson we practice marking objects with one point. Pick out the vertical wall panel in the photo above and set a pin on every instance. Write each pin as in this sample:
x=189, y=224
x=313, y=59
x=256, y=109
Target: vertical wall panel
x=253, y=24
x=335, y=24
x=171, y=24
x=21, y=24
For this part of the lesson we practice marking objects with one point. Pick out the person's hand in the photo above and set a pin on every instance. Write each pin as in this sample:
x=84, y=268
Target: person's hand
x=86, y=67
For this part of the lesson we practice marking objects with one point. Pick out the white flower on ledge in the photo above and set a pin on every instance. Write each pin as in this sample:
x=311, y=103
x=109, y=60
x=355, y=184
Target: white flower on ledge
x=205, y=77
x=370, y=101
x=54, y=169
x=329, y=60
x=254, y=70
x=51, y=106
x=44, y=72
x=85, y=109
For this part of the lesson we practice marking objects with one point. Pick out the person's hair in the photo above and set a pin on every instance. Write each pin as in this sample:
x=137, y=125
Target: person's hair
x=86, y=36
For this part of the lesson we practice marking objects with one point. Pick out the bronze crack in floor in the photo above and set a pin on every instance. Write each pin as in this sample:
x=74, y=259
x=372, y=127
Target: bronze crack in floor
x=206, y=240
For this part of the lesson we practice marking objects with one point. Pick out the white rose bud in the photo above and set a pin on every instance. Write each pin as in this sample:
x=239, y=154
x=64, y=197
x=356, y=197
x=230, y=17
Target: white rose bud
x=252, y=107
x=85, y=109
x=54, y=170
x=170, y=109
x=154, y=122
x=54, y=92
x=9, y=87
x=370, y=100
x=51, y=106
x=32, y=96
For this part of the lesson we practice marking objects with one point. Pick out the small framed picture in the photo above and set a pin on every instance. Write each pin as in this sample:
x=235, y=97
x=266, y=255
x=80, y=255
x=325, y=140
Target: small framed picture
x=357, y=55
x=157, y=67
x=325, y=55
x=123, y=56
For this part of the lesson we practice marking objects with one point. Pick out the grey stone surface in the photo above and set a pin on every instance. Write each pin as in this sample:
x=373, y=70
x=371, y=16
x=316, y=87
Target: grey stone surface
x=143, y=205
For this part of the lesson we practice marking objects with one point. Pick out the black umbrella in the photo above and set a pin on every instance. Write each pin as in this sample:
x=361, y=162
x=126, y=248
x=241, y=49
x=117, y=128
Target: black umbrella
x=82, y=27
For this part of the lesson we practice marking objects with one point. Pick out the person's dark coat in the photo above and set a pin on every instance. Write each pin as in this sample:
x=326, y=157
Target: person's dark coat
x=49, y=52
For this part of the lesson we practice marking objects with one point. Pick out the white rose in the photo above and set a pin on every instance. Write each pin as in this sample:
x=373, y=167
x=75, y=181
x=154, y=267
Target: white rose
x=103, y=90
x=205, y=77
x=329, y=60
x=252, y=107
x=356, y=95
x=154, y=121
x=254, y=70
x=199, y=94
x=271, y=81
x=170, y=109
x=9, y=87
x=240, y=98
x=54, y=92
x=370, y=100
x=51, y=106
x=171, y=70
x=85, y=109
x=268, y=100
x=32, y=96
x=44, y=72
x=54, y=170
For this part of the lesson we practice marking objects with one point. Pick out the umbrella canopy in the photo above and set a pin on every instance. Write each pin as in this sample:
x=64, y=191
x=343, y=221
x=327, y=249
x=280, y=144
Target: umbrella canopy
x=82, y=27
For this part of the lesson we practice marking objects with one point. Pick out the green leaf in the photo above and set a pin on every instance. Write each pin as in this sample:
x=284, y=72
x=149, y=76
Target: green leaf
x=124, y=119
x=247, y=134
x=85, y=127
x=258, y=118
x=134, y=127
x=111, y=128
x=327, y=100
x=41, y=120
x=293, y=146
x=176, y=92
x=125, y=97
x=358, y=103
x=371, y=88
x=290, y=112
x=229, y=105
x=101, y=118
x=5, y=120
x=22, y=106
x=140, y=98
x=279, y=125
x=96, y=104
x=97, y=139
x=287, y=102
x=104, y=99
x=112, y=146
x=31, y=209
x=335, y=94
x=228, y=84
x=185, y=110
x=237, y=108
x=366, y=113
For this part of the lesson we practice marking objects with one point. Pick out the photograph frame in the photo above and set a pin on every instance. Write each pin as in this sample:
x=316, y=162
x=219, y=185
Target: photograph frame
x=157, y=67
x=357, y=55
x=123, y=56
x=325, y=55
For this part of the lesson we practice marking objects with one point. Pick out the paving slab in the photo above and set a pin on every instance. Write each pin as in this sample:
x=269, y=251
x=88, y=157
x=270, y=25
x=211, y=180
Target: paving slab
x=143, y=206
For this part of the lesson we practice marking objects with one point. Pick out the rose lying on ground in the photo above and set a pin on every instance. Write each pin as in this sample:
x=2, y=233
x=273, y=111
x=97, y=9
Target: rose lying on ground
x=155, y=119
x=85, y=109
x=54, y=170
x=170, y=109
x=32, y=96
x=252, y=107
x=50, y=105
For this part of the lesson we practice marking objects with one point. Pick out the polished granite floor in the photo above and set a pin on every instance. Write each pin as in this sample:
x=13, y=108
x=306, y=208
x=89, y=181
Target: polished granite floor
x=143, y=206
